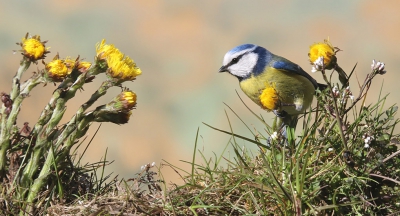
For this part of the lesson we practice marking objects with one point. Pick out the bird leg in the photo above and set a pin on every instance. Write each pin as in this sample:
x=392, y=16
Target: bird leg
x=285, y=120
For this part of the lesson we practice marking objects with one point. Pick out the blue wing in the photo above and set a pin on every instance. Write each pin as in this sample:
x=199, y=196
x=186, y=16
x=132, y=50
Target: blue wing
x=284, y=64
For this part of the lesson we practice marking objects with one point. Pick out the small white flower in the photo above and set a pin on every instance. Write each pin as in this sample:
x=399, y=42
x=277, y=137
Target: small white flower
x=142, y=167
x=314, y=69
x=367, y=140
x=343, y=94
x=373, y=64
x=378, y=67
x=319, y=62
x=349, y=93
x=382, y=66
x=335, y=91
x=274, y=135
x=153, y=164
x=330, y=149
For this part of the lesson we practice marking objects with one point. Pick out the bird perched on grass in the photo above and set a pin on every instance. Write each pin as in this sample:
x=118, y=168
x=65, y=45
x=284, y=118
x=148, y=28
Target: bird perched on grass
x=273, y=82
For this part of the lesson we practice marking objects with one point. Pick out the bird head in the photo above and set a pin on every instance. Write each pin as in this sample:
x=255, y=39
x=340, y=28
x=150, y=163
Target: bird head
x=244, y=60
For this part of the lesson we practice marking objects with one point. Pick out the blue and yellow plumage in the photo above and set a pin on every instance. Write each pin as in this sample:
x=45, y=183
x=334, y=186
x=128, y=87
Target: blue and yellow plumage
x=273, y=82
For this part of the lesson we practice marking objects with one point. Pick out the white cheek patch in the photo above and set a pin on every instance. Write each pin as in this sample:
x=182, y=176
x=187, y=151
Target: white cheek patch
x=245, y=65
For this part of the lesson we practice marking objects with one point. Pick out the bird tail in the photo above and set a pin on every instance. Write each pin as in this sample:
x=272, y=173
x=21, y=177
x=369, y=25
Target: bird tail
x=291, y=121
x=322, y=86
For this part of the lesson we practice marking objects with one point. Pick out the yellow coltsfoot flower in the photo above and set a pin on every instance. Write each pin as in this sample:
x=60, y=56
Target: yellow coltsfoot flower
x=323, y=56
x=269, y=99
x=103, y=50
x=128, y=99
x=119, y=67
x=32, y=48
x=56, y=70
x=123, y=102
x=118, y=110
x=81, y=66
x=322, y=51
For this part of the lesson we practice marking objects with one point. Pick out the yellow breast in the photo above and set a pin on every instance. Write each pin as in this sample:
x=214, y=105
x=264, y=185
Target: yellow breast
x=293, y=93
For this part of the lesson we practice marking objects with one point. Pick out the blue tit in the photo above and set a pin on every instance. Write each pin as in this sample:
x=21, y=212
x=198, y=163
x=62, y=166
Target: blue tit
x=273, y=82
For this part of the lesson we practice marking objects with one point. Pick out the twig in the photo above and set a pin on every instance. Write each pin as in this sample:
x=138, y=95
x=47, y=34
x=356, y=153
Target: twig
x=384, y=177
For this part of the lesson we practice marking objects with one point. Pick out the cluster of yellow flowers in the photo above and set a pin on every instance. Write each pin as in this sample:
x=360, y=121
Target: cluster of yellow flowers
x=58, y=69
x=120, y=66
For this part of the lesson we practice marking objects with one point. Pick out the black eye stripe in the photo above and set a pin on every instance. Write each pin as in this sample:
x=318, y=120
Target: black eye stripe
x=236, y=59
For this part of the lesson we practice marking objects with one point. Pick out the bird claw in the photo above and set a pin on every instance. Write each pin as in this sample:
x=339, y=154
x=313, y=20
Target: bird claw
x=280, y=114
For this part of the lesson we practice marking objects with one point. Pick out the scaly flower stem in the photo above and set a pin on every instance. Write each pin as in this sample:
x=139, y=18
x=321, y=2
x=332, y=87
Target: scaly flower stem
x=40, y=181
x=43, y=140
x=24, y=65
x=96, y=95
x=56, y=109
x=73, y=131
x=75, y=128
x=7, y=124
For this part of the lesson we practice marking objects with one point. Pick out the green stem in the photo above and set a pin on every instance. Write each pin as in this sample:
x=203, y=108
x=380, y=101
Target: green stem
x=5, y=143
x=5, y=128
x=45, y=127
x=7, y=124
x=71, y=132
x=23, y=66
x=5, y=137
x=74, y=129
x=337, y=114
x=97, y=94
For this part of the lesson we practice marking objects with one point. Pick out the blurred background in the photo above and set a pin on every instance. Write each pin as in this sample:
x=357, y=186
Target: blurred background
x=179, y=45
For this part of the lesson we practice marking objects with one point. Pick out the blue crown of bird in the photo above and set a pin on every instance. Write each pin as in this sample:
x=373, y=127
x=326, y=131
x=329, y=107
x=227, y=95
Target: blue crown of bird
x=271, y=81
